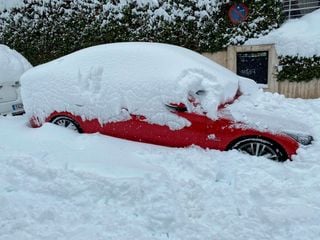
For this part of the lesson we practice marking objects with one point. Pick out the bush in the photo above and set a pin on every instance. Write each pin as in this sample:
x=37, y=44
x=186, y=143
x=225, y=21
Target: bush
x=299, y=69
x=43, y=30
x=264, y=16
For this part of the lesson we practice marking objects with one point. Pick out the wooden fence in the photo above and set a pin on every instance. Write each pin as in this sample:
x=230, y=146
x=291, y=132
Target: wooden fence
x=306, y=90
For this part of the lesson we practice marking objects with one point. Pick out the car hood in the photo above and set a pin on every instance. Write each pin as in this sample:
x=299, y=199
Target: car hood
x=266, y=121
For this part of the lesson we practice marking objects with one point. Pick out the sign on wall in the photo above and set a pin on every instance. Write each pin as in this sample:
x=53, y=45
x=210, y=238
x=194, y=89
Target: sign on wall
x=238, y=13
x=253, y=65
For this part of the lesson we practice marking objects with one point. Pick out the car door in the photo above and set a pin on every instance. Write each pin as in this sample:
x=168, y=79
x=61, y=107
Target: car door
x=197, y=132
x=139, y=129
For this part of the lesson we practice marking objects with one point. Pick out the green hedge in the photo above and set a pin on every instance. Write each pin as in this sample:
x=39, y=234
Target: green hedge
x=299, y=69
x=44, y=30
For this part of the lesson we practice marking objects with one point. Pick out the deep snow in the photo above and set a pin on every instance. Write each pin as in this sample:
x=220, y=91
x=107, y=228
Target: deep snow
x=295, y=37
x=59, y=185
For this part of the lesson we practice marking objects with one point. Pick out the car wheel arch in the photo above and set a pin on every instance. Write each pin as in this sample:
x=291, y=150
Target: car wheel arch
x=277, y=145
x=54, y=117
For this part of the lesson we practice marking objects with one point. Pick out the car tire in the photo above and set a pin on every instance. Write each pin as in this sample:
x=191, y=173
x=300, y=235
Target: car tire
x=66, y=122
x=261, y=148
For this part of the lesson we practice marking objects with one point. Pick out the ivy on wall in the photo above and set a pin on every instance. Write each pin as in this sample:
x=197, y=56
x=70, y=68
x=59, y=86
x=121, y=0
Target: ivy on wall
x=299, y=69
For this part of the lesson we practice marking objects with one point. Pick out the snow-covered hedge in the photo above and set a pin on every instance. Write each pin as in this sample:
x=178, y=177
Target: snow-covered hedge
x=299, y=69
x=7, y=4
x=43, y=30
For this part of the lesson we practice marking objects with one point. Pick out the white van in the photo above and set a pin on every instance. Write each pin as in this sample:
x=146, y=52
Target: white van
x=12, y=66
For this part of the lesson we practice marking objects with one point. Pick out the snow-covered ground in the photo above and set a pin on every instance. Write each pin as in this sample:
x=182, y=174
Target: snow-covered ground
x=59, y=185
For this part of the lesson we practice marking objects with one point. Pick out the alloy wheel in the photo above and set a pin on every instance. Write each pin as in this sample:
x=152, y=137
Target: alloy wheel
x=260, y=148
x=67, y=123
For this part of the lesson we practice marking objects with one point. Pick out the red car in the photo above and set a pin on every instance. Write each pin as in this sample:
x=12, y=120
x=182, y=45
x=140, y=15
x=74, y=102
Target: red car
x=86, y=91
x=221, y=134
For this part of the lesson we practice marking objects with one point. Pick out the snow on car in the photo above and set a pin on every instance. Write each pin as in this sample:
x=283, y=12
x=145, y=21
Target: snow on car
x=12, y=66
x=148, y=92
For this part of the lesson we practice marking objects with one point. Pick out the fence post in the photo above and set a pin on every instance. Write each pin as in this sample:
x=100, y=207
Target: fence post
x=289, y=9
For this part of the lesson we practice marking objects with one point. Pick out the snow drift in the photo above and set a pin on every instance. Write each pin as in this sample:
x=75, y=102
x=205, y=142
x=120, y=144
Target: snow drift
x=12, y=64
x=111, y=81
x=296, y=37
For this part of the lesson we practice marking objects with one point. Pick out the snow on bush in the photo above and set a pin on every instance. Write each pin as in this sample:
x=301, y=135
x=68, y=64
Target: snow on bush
x=44, y=30
x=171, y=11
x=297, y=37
x=111, y=81
x=12, y=64
x=7, y=4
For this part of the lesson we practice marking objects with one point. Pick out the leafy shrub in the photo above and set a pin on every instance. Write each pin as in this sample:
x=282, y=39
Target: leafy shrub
x=299, y=69
x=43, y=30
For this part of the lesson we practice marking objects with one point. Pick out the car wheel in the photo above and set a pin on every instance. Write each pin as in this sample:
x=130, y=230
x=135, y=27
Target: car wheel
x=261, y=148
x=67, y=123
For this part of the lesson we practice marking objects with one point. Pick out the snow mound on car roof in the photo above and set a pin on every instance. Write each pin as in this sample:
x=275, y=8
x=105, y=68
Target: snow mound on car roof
x=111, y=81
x=12, y=64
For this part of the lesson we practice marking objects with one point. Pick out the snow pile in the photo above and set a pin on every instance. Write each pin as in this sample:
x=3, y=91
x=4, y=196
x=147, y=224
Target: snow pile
x=247, y=86
x=296, y=37
x=57, y=184
x=12, y=64
x=111, y=81
x=266, y=111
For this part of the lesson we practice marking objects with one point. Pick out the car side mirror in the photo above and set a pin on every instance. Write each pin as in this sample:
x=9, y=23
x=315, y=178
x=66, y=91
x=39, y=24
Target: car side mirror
x=178, y=107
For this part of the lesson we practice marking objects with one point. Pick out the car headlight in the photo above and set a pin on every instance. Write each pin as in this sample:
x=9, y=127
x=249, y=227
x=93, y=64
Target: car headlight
x=301, y=138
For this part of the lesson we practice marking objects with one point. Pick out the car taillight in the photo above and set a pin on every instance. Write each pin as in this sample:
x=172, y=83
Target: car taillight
x=35, y=122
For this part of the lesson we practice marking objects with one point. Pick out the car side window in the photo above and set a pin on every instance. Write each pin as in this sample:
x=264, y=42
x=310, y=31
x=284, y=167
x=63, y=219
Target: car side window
x=193, y=98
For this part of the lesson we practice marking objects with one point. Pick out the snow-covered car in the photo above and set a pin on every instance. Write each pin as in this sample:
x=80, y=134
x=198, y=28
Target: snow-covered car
x=12, y=66
x=152, y=93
